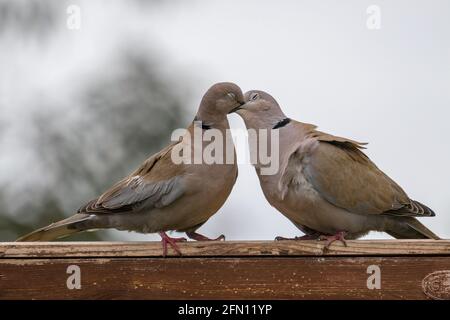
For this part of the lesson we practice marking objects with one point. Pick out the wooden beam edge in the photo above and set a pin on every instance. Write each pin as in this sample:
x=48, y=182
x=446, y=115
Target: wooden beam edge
x=225, y=249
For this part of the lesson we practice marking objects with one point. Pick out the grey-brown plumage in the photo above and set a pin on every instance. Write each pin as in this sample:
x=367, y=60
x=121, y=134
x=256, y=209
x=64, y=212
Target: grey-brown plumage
x=326, y=185
x=161, y=195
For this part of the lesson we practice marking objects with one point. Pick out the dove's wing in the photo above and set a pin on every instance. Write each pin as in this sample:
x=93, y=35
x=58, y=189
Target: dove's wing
x=156, y=183
x=347, y=178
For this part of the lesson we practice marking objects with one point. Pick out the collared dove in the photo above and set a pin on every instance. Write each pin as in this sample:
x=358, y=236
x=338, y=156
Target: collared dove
x=326, y=185
x=161, y=195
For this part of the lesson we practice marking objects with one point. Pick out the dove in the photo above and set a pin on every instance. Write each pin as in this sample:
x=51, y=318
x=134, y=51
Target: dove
x=326, y=185
x=162, y=194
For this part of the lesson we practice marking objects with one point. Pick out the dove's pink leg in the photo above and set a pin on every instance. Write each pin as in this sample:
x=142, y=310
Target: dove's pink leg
x=340, y=236
x=165, y=239
x=311, y=236
x=199, y=237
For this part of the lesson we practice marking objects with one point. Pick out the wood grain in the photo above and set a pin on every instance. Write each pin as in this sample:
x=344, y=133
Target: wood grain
x=225, y=249
x=218, y=278
x=410, y=269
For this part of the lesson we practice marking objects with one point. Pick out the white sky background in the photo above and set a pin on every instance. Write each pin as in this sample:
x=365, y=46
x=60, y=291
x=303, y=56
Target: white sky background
x=389, y=87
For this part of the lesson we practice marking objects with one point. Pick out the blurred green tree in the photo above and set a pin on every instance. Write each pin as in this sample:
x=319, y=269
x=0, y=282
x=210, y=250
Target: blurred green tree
x=120, y=117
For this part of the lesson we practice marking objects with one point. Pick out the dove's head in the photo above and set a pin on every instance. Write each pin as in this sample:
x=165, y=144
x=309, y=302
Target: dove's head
x=222, y=98
x=261, y=110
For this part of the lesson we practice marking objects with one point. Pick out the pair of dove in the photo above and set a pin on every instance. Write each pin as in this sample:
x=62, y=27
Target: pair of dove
x=325, y=184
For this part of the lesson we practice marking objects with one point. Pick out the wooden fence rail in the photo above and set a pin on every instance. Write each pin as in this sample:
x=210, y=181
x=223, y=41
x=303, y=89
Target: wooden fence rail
x=378, y=269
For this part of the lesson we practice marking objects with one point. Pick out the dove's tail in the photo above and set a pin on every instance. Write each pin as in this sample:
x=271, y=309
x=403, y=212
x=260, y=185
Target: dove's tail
x=409, y=228
x=74, y=224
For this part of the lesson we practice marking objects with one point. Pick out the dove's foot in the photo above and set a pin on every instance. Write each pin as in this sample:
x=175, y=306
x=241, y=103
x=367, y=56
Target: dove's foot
x=340, y=236
x=312, y=236
x=165, y=239
x=199, y=237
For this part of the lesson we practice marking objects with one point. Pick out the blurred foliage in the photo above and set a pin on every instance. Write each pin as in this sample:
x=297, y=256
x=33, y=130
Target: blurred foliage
x=120, y=117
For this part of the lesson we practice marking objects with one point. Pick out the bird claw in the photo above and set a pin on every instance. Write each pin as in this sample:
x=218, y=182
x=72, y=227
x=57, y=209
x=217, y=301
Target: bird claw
x=278, y=238
x=199, y=237
x=220, y=238
x=312, y=236
x=165, y=239
x=340, y=236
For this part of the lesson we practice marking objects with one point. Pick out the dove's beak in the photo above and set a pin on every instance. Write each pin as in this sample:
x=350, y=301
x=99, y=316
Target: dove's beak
x=239, y=107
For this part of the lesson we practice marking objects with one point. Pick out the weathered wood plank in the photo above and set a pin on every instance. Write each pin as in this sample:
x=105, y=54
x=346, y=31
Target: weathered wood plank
x=225, y=249
x=221, y=278
x=409, y=269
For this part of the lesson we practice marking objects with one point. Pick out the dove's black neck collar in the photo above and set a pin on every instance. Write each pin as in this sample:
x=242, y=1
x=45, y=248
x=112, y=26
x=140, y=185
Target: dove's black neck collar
x=281, y=123
x=204, y=125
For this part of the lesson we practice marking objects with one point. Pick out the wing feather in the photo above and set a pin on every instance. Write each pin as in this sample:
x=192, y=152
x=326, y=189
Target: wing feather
x=343, y=175
x=155, y=184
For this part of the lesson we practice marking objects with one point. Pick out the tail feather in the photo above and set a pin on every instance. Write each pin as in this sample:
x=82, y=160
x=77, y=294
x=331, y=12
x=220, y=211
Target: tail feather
x=409, y=228
x=60, y=229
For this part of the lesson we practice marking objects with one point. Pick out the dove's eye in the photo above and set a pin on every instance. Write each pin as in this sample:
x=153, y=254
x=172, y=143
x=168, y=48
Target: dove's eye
x=231, y=95
x=254, y=96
